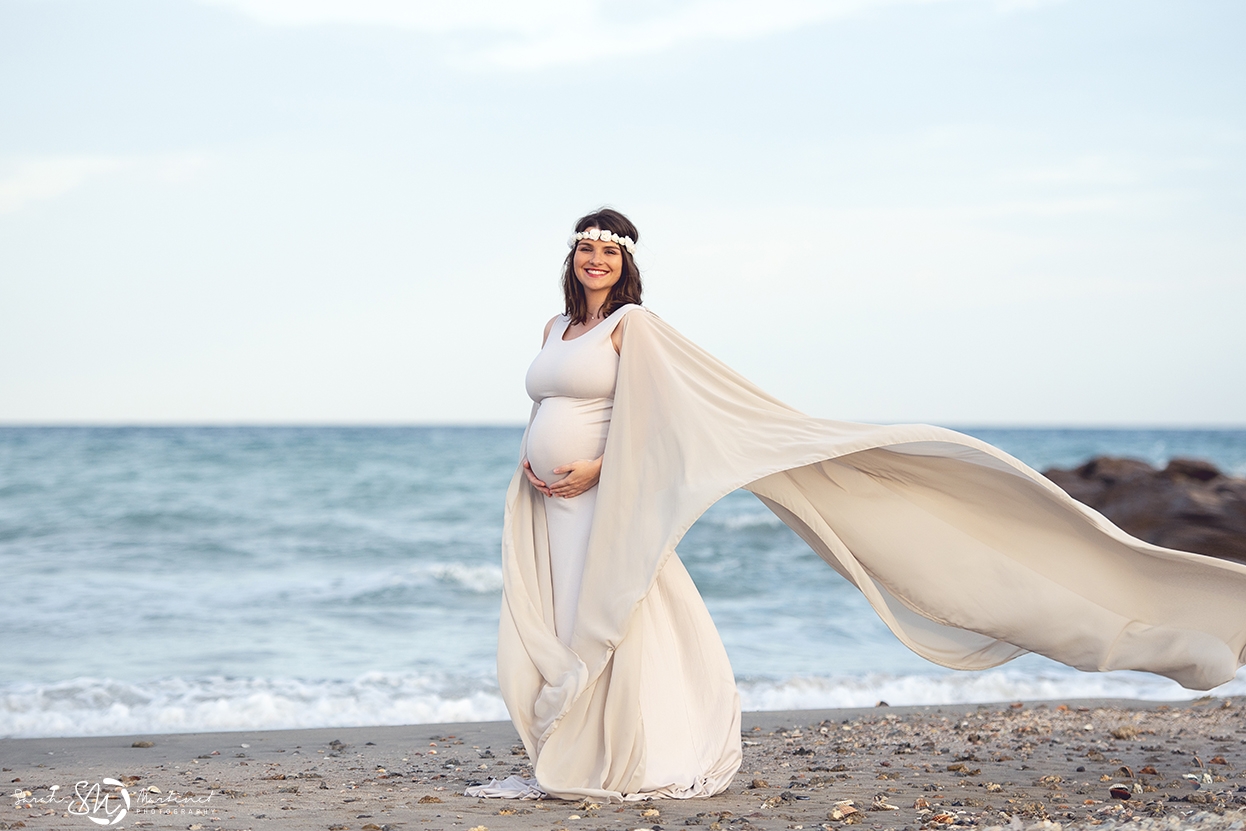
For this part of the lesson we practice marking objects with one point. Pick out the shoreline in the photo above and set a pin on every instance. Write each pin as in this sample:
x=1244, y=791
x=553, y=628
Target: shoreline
x=930, y=766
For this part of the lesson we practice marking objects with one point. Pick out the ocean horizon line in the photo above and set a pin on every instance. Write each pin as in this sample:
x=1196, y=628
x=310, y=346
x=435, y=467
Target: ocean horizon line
x=510, y=425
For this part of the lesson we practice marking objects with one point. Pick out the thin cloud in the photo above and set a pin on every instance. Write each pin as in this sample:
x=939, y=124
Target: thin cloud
x=36, y=180
x=1089, y=170
x=437, y=16
x=586, y=39
x=542, y=33
x=24, y=182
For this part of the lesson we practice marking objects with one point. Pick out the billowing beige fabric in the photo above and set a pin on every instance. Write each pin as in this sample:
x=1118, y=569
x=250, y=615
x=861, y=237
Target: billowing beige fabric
x=969, y=556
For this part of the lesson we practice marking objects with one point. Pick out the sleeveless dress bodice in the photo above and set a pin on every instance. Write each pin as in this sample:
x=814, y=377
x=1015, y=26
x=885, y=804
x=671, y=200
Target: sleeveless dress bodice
x=572, y=383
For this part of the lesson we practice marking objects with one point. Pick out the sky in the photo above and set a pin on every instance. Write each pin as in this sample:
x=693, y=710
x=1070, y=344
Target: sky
x=965, y=212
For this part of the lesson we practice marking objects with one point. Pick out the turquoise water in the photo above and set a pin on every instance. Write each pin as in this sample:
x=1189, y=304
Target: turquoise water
x=187, y=578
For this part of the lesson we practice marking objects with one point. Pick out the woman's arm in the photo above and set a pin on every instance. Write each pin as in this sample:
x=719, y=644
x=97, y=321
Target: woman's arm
x=616, y=337
x=527, y=468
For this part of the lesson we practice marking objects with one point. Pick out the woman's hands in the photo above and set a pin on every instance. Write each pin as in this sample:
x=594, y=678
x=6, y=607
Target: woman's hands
x=581, y=475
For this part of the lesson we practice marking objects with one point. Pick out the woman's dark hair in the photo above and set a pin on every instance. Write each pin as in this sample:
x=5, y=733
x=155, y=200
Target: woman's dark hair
x=627, y=290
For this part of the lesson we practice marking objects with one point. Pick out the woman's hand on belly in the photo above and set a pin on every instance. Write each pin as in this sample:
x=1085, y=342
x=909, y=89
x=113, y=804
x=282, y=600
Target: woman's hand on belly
x=536, y=483
x=581, y=476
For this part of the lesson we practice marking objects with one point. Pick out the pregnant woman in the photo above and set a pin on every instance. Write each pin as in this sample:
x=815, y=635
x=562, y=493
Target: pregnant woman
x=610, y=666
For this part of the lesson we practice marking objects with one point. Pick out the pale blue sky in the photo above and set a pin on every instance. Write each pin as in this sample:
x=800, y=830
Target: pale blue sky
x=957, y=211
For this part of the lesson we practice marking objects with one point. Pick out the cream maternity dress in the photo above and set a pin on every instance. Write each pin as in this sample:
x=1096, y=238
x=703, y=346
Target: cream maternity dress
x=610, y=666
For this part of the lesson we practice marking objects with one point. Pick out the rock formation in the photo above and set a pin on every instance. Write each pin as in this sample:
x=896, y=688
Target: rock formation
x=1188, y=505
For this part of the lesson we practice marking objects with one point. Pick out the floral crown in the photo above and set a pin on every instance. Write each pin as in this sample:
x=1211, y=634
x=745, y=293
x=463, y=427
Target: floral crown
x=605, y=236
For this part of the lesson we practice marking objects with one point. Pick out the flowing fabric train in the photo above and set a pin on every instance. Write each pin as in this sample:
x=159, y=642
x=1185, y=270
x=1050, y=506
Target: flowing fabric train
x=968, y=555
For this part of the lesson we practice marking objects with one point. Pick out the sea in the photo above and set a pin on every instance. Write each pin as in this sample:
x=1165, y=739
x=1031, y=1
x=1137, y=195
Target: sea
x=173, y=579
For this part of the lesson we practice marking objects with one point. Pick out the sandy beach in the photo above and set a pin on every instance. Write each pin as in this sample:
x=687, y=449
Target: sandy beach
x=1078, y=763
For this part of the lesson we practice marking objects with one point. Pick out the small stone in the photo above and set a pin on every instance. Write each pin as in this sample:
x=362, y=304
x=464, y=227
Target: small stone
x=1119, y=791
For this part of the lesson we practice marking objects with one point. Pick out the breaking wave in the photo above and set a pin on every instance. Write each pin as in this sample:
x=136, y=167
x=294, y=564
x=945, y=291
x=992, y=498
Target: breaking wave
x=102, y=706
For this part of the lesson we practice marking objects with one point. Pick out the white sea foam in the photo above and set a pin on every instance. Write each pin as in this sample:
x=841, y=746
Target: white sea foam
x=95, y=706
x=481, y=579
x=478, y=579
x=101, y=706
x=484, y=579
x=815, y=692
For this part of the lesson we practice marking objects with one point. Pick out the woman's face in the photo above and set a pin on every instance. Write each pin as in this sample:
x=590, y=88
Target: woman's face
x=598, y=264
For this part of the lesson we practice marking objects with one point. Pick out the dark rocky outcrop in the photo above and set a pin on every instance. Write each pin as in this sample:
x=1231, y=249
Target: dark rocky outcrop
x=1189, y=505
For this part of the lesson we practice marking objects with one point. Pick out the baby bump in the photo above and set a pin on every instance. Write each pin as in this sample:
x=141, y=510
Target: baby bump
x=565, y=430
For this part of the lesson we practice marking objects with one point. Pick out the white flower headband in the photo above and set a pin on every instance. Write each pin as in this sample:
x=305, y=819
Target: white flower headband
x=605, y=236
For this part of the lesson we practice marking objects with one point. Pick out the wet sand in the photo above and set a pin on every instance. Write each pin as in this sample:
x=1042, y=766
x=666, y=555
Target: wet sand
x=1077, y=763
